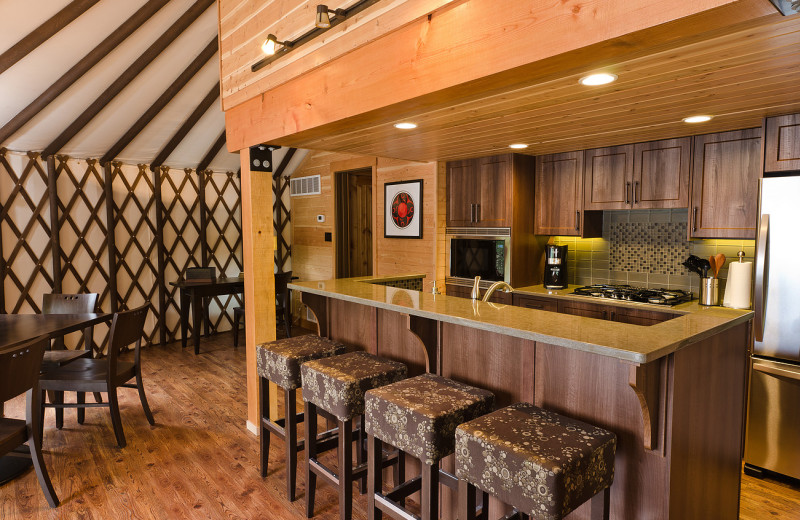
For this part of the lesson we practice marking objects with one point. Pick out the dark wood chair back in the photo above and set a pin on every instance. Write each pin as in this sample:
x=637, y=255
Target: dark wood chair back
x=19, y=367
x=200, y=273
x=69, y=303
x=127, y=327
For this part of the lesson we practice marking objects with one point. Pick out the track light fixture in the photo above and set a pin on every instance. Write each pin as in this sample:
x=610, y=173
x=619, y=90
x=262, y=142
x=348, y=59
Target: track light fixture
x=323, y=20
x=322, y=23
x=269, y=45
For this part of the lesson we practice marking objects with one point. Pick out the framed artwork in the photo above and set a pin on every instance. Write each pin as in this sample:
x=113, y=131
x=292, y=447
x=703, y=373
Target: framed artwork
x=403, y=209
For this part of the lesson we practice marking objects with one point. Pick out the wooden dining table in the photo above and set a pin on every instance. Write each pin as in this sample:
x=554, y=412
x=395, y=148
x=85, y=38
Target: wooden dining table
x=194, y=293
x=19, y=328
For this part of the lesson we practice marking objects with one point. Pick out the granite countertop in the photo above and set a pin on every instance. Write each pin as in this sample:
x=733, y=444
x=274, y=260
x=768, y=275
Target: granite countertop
x=631, y=343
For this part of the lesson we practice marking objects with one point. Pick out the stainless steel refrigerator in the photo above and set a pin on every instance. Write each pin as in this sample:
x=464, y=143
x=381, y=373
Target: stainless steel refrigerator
x=773, y=422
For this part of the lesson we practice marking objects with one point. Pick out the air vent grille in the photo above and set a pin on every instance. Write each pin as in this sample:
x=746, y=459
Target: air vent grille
x=306, y=186
x=483, y=232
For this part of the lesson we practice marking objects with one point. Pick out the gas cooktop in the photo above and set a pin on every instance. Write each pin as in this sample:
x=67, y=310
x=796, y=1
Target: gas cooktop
x=635, y=294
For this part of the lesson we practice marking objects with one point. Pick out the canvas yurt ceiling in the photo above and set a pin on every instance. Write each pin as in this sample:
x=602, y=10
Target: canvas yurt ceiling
x=129, y=80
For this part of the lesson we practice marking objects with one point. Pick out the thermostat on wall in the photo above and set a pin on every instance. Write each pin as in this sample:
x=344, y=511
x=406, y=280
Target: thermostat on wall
x=320, y=218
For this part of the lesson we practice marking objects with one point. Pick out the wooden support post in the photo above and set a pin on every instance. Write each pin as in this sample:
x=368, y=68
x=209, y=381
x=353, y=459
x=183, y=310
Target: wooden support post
x=162, y=288
x=52, y=178
x=203, y=237
x=108, y=170
x=259, y=278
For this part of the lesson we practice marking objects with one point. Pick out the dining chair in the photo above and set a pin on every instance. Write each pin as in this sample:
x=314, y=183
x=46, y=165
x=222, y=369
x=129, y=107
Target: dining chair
x=71, y=304
x=19, y=372
x=107, y=374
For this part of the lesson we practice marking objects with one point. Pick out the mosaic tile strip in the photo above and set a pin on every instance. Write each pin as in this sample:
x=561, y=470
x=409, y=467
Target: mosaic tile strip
x=648, y=247
x=414, y=284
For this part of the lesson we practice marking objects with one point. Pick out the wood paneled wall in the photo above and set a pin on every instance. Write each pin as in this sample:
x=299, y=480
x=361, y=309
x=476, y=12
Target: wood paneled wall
x=313, y=258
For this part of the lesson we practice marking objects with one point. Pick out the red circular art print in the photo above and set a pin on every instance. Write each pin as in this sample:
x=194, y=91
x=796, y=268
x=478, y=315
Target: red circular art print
x=402, y=209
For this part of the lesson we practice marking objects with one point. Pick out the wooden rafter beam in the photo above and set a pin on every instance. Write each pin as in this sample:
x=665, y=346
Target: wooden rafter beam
x=162, y=101
x=81, y=68
x=187, y=125
x=43, y=33
x=212, y=152
x=126, y=77
x=284, y=163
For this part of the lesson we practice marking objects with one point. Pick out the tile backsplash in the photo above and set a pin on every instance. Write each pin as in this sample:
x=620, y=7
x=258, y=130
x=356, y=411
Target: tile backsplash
x=646, y=248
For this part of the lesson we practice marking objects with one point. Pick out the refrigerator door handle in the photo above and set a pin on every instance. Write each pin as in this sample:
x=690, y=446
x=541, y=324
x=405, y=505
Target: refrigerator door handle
x=778, y=369
x=762, y=277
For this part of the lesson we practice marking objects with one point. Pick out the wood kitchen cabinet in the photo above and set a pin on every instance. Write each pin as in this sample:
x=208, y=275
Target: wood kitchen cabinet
x=479, y=191
x=724, y=191
x=642, y=176
x=585, y=309
x=559, y=198
x=782, y=144
x=638, y=316
x=535, y=302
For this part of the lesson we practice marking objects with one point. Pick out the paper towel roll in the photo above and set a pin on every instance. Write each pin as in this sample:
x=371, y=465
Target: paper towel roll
x=737, y=290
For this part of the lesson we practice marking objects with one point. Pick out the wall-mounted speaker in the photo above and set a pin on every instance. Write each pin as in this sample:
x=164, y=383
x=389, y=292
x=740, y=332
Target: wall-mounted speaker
x=261, y=157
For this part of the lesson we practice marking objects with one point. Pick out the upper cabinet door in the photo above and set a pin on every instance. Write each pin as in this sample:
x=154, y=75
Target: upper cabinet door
x=782, y=147
x=725, y=176
x=559, y=193
x=661, y=174
x=494, y=192
x=609, y=178
x=461, y=189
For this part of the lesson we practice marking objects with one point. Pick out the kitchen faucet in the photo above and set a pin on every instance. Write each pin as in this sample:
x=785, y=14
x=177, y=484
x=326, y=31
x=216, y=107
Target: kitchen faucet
x=497, y=285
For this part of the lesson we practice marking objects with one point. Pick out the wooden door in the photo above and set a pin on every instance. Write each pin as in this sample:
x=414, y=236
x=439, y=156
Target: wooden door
x=462, y=197
x=558, y=194
x=609, y=178
x=782, y=146
x=494, y=192
x=354, y=223
x=724, y=195
x=661, y=174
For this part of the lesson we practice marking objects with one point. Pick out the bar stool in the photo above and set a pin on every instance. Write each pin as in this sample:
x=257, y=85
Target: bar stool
x=279, y=362
x=336, y=385
x=418, y=416
x=540, y=462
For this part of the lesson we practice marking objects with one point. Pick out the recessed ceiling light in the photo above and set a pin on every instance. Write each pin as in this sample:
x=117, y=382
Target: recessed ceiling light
x=593, y=80
x=405, y=126
x=518, y=146
x=697, y=119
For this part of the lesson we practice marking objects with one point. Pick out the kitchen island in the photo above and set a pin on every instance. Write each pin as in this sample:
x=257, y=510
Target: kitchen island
x=674, y=392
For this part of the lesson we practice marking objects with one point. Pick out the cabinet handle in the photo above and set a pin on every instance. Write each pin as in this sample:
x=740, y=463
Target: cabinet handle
x=577, y=220
x=627, y=193
x=613, y=316
x=472, y=212
x=635, y=189
x=477, y=212
x=694, y=218
x=605, y=315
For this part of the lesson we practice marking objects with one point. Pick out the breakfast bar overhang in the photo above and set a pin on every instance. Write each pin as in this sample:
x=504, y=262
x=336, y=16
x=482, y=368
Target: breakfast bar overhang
x=673, y=393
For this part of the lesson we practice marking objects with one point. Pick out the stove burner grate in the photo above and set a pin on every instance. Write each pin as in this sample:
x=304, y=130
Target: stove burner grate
x=635, y=294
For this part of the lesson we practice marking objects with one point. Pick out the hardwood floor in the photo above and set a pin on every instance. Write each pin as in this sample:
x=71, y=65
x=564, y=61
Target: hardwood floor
x=199, y=461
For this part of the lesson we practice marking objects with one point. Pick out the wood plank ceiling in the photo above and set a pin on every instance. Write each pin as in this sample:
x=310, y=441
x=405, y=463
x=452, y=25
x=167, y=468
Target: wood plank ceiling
x=738, y=73
x=129, y=80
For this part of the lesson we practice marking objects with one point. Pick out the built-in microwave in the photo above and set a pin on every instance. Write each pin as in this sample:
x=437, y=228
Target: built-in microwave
x=484, y=256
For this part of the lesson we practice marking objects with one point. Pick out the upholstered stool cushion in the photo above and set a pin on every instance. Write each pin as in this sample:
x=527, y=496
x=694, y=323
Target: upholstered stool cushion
x=536, y=460
x=279, y=361
x=337, y=384
x=419, y=415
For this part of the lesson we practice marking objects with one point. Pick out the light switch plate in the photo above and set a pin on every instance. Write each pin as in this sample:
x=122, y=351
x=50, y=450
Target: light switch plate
x=320, y=218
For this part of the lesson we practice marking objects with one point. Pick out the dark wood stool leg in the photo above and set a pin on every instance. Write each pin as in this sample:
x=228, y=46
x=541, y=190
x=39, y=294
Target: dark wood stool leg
x=601, y=505
x=361, y=453
x=311, y=453
x=430, y=491
x=80, y=398
x=291, y=442
x=374, y=476
x=345, y=469
x=399, y=474
x=484, y=507
x=263, y=385
x=466, y=501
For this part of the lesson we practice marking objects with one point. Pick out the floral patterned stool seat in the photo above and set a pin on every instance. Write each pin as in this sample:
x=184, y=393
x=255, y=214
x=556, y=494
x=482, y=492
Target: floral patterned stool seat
x=419, y=417
x=337, y=385
x=540, y=462
x=279, y=362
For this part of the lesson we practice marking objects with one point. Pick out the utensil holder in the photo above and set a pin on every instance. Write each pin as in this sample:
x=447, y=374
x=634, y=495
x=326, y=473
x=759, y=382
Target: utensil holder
x=709, y=291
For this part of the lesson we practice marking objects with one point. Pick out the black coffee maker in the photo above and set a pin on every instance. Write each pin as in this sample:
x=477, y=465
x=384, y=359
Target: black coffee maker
x=555, y=267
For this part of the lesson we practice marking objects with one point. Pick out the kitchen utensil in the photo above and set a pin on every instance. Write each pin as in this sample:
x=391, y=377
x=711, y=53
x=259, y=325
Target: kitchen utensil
x=720, y=258
x=705, y=265
x=713, y=262
x=693, y=264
